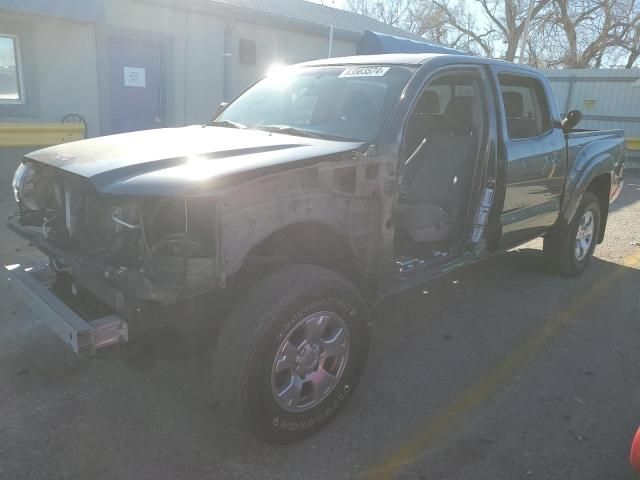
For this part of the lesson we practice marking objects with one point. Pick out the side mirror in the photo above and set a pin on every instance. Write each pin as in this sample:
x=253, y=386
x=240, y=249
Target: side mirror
x=221, y=108
x=573, y=118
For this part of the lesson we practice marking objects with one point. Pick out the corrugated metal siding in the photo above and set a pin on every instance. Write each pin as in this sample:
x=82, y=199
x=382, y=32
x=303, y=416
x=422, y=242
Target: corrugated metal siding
x=607, y=98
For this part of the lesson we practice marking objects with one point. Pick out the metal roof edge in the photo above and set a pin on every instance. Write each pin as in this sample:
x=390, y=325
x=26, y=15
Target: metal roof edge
x=233, y=12
x=91, y=11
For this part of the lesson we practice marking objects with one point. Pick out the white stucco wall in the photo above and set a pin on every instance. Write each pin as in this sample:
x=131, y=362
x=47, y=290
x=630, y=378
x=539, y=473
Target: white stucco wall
x=197, y=38
x=276, y=46
x=62, y=68
x=70, y=76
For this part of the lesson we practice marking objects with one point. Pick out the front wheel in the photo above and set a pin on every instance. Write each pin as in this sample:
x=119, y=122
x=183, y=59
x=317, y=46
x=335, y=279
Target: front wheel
x=570, y=249
x=291, y=352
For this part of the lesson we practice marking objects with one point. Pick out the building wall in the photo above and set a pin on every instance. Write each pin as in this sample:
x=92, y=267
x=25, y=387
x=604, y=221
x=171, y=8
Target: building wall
x=65, y=64
x=204, y=60
x=60, y=76
x=140, y=22
x=606, y=98
x=197, y=61
x=66, y=73
x=276, y=46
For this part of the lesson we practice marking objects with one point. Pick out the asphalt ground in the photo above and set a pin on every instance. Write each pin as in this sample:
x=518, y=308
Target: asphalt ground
x=497, y=371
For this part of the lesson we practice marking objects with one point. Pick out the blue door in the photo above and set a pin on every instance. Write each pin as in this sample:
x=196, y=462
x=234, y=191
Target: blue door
x=135, y=84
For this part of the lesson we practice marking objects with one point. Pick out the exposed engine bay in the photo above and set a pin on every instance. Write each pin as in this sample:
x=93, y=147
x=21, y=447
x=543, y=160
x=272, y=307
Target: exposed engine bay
x=151, y=248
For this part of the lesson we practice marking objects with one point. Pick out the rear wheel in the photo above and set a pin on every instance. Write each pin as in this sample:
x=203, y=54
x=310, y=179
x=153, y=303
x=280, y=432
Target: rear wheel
x=291, y=353
x=570, y=249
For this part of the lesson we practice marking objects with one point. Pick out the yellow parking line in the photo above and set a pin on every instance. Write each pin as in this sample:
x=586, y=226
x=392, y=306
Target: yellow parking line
x=444, y=422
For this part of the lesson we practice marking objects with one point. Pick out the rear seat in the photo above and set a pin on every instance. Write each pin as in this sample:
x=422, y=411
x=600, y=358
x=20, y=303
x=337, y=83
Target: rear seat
x=518, y=125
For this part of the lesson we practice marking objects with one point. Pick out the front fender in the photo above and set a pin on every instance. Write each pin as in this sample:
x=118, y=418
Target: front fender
x=251, y=213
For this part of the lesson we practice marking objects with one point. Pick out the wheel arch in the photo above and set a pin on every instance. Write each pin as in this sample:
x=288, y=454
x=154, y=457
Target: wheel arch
x=306, y=242
x=596, y=180
x=600, y=186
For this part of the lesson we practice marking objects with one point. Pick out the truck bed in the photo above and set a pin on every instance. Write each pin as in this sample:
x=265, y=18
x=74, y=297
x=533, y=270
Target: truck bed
x=578, y=140
x=587, y=146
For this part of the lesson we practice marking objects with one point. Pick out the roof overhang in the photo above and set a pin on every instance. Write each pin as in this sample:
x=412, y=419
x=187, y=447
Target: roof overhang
x=78, y=10
x=233, y=12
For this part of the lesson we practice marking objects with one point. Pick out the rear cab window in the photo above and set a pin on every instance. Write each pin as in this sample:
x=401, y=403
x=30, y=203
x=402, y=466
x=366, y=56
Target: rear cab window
x=525, y=106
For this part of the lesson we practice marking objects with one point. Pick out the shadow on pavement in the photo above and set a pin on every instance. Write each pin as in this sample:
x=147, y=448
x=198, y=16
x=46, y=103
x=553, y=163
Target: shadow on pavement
x=157, y=416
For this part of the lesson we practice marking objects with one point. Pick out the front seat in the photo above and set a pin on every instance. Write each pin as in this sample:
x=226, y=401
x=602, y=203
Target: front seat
x=423, y=120
x=440, y=179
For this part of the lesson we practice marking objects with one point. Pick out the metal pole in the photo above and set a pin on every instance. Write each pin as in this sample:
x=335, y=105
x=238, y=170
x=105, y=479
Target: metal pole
x=330, y=41
x=525, y=32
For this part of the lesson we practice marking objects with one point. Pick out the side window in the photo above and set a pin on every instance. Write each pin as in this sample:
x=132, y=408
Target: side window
x=11, y=90
x=525, y=105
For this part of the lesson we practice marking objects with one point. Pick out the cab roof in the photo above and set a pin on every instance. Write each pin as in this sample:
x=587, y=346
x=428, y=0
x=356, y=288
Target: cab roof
x=414, y=59
x=381, y=59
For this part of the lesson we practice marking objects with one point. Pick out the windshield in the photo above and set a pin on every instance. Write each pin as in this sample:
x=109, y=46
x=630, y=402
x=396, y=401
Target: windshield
x=344, y=102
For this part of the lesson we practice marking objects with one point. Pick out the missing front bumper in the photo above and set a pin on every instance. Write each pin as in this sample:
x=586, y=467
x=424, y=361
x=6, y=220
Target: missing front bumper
x=84, y=337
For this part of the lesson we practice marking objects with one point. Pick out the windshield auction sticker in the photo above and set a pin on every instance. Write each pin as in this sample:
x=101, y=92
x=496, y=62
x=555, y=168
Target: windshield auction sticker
x=364, y=72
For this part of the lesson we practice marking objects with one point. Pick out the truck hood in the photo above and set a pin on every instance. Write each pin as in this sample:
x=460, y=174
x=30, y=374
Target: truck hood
x=187, y=160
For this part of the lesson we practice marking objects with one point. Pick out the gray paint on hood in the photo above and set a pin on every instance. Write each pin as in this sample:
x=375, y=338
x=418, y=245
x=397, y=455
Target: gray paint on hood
x=187, y=160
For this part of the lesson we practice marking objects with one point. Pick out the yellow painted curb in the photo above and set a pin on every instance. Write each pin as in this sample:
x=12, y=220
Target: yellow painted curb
x=39, y=134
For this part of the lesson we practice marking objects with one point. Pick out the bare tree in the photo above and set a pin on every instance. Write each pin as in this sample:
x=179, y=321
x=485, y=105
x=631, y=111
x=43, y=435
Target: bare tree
x=503, y=21
x=433, y=23
x=510, y=17
x=391, y=12
x=562, y=33
x=587, y=33
x=461, y=29
x=633, y=46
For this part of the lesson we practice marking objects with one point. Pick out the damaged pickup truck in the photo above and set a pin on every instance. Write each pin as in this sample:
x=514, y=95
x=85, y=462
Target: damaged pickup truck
x=322, y=189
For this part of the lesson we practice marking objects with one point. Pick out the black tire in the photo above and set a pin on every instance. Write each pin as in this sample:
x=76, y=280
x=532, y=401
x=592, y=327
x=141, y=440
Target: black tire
x=560, y=246
x=252, y=335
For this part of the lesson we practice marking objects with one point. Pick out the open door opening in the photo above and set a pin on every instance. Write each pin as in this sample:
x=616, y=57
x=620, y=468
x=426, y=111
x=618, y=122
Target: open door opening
x=440, y=198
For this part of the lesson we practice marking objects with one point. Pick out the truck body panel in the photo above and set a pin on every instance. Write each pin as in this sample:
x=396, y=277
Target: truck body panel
x=160, y=216
x=183, y=161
